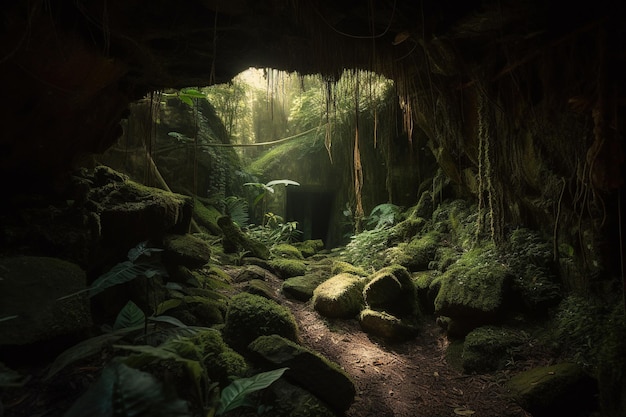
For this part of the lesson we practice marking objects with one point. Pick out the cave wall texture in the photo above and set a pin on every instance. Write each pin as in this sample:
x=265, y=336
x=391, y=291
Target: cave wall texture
x=521, y=102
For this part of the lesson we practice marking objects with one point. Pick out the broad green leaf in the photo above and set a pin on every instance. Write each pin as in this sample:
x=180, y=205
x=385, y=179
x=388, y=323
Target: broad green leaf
x=168, y=319
x=141, y=249
x=123, y=391
x=235, y=394
x=186, y=100
x=284, y=182
x=167, y=305
x=129, y=316
x=191, y=92
x=121, y=273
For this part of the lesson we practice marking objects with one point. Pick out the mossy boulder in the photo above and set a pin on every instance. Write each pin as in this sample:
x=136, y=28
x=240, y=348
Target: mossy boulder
x=250, y=316
x=285, y=250
x=235, y=240
x=294, y=401
x=339, y=267
x=417, y=254
x=30, y=289
x=186, y=250
x=474, y=289
x=206, y=216
x=488, y=348
x=260, y=287
x=132, y=213
x=391, y=289
x=422, y=281
x=340, y=296
x=287, y=268
x=385, y=325
x=301, y=288
x=221, y=362
x=310, y=247
x=250, y=272
x=563, y=389
x=308, y=369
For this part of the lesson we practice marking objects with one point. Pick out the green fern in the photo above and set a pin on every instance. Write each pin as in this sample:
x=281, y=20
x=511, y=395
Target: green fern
x=237, y=209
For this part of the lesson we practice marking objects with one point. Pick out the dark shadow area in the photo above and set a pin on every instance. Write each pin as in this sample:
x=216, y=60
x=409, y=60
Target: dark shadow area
x=311, y=208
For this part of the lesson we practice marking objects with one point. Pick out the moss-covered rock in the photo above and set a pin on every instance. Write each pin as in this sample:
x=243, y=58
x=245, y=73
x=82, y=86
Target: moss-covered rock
x=562, y=389
x=260, y=287
x=301, y=288
x=473, y=290
x=417, y=254
x=29, y=292
x=250, y=272
x=293, y=401
x=287, y=268
x=339, y=267
x=310, y=247
x=221, y=362
x=391, y=289
x=488, y=348
x=206, y=216
x=340, y=296
x=308, y=369
x=422, y=281
x=250, y=316
x=235, y=240
x=285, y=250
x=186, y=250
x=385, y=325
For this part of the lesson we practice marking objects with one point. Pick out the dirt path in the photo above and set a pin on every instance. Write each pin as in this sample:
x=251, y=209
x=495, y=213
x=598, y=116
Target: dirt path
x=410, y=379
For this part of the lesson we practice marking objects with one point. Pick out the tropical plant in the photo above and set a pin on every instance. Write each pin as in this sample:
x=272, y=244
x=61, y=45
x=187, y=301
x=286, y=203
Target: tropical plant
x=135, y=266
x=265, y=190
x=186, y=95
x=237, y=209
x=382, y=215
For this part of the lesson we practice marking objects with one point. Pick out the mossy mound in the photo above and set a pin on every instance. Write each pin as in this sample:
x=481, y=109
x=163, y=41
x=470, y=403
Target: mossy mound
x=385, y=325
x=417, y=254
x=287, y=268
x=235, y=240
x=422, y=281
x=562, y=389
x=250, y=316
x=285, y=250
x=301, y=288
x=310, y=247
x=391, y=289
x=186, y=250
x=489, y=348
x=260, y=287
x=308, y=369
x=339, y=267
x=221, y=362
x=206, y=216
x=474, y=288
x=340, y=296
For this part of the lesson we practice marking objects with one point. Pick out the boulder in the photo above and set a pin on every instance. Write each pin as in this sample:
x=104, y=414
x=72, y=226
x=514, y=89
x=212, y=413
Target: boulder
x=488, y=348
x=30, y=289
x=287, y=268
x=186, y=250
x=307, y=369
x=293, y=401
x=341, y=296
x=235, y=240
x=301, y=288
x=382, y=324
x=391, y=289
x=563, y=389
x=250, y=316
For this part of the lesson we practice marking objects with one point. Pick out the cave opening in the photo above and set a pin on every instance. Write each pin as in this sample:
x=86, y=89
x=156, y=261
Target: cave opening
x=311, y=208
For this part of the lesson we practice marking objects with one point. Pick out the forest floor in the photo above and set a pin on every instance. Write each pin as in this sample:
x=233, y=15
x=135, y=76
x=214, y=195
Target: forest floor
x=408, y=379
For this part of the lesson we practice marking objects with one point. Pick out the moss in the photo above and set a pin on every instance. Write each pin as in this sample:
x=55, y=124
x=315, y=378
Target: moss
x=301, y=288
x=235, y=240
x=206, y=216
x=454, y=354
x=418, y=253
x=391, y=289
x=310, y=247
x=221, y=362
x=287, y=268
x=250, y=316
x=285, y=250
x=388, y=326
x=187, y=250
x=339, y=267
x=490, y=348
x=260, y=287
x=340, y=296
x=475, y=285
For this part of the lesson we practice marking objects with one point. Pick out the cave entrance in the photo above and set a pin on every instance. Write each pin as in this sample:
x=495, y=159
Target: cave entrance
x=311, y=208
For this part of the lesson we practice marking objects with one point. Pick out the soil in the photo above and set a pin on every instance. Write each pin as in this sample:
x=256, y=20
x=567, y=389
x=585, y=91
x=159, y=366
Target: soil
x=409, y=379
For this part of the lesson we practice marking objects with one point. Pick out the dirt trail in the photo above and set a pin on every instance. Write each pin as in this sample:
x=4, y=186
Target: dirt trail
x=410, y=379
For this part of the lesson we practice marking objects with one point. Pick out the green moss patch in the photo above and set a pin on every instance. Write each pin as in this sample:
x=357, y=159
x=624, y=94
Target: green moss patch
x=341, y=296
x=301, y=288
x=287, y=268
x=285, y=250
x=490, y=348
x=339, y=267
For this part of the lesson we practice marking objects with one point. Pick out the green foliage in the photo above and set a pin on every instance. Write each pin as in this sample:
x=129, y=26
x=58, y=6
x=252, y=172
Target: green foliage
x=129, y=316
x=382, y=215
x=275, y=232
x=237, y=209
x=366, y=248
x=122, y=391
x=236, y=394
x=287, y=268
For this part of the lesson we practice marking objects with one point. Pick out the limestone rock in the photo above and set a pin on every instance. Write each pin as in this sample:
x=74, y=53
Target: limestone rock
x=30, y=288
x=323, y=378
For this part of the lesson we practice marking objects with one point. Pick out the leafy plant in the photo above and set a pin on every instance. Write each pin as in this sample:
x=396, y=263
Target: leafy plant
x=129, y=316
x=237, y=209
x=236, y=394
x=122, y=391
x=186, y=95
x=266, y=190
x=125, y=271
x=383, y=215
